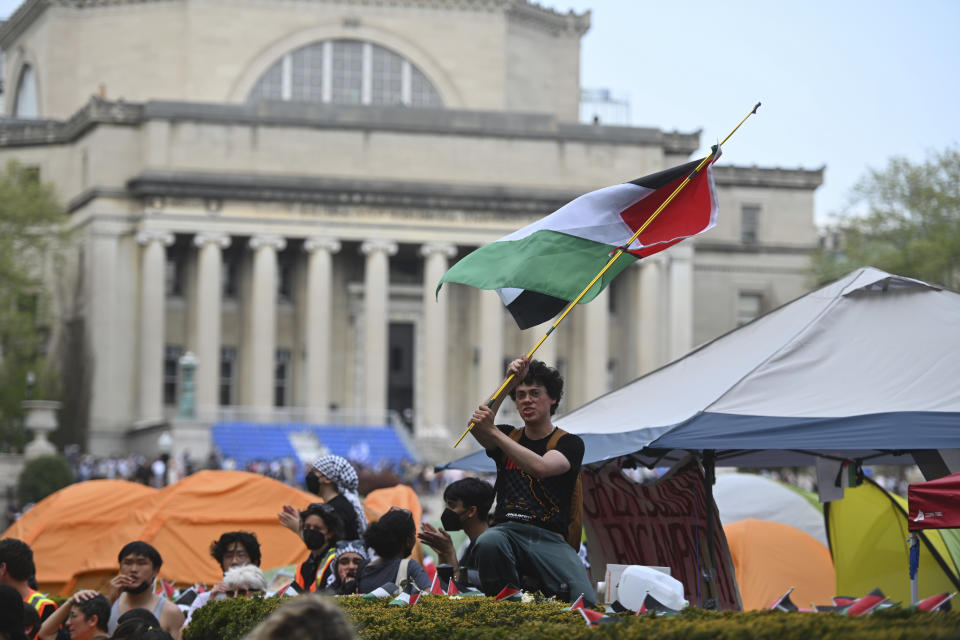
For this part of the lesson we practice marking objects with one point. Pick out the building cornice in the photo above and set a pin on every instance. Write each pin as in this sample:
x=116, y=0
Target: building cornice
x=768, y=177
x=491, y=124
x=152, y=185
x=521, y=10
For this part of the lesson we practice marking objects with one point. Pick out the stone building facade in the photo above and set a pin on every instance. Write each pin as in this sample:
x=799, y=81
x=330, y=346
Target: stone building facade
x=277, y=185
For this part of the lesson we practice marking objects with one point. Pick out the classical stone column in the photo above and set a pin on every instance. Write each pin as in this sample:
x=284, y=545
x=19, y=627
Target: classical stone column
x=652, y=343
x=262, y=322
x=490, y=368
x=207, y=314
x=596, y=347
x=376, y=285
x=433, y=415
x=681, y=300
x=152, y=314
x=317, y=332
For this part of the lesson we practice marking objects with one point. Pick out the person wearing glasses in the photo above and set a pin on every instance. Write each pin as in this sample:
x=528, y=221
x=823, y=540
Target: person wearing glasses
x=321, y=528
x=232, y=549
x=538, y=467
x=392, y=538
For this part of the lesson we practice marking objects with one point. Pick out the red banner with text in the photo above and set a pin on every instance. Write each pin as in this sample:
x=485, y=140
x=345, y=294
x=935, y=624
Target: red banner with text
x=663, y=523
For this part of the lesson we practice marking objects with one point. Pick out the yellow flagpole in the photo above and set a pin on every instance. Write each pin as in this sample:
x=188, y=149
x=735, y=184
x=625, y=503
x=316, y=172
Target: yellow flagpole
x=613, y=259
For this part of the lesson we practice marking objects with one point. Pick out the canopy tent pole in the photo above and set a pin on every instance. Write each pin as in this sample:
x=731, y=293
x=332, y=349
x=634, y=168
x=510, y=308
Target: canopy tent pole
x=914, y=567
x=710, y=573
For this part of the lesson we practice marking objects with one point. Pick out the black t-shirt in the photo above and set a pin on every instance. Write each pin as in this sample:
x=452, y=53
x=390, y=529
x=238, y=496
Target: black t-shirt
x=522, y=498
x=346, y=512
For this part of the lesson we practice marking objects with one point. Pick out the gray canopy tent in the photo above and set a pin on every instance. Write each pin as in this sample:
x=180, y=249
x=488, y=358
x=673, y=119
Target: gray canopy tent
x=866, y=368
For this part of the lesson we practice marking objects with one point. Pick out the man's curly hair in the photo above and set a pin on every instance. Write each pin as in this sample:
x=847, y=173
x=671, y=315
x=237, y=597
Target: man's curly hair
x=543, y=374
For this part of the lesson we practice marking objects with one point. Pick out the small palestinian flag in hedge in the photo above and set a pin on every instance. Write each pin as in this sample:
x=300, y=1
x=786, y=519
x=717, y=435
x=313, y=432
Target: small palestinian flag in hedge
x=595, y=618
x=435, y=588
x=867, y=604
x=408, y=597
x=939, y=602
x=577, y=604
x=387, y=590
x=509, y=593
x=784, y=603
x=452, y=588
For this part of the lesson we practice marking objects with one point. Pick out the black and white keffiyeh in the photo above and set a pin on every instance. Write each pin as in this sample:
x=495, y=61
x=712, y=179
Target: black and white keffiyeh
x=342, y=474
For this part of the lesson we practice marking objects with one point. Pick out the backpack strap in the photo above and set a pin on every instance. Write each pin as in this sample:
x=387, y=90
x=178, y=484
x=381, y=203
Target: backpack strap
x=402, y=571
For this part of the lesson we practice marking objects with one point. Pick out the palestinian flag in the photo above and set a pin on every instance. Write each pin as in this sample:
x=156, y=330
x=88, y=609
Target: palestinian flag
x=509, y=593
x=577, y=604
x=595, y=618
x=435, y=588
x=939, y=602
x=409, y=596
x=540, y=268
x=452, y=588
x=784, y=603
x=866, y=604
x=387, y=590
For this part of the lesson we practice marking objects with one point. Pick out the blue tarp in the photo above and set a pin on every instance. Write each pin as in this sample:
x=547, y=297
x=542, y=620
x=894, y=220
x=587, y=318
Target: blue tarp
x=247, y=442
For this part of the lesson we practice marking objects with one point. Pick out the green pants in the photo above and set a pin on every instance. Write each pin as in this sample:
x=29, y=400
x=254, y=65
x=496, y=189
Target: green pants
x=511, y=549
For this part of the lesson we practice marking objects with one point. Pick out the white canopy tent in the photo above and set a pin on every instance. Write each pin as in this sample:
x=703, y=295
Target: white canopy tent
x=865, y=368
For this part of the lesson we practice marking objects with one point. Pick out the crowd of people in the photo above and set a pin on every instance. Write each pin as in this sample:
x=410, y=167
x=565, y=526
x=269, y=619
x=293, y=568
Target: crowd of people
x=531, y=540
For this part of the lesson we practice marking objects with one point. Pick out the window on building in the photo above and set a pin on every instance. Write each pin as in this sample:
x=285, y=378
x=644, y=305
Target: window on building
x=171, y=373
x=26, y=103
x=228, y=369
x=749, y=306
x=749, y=224
x=281, y=379
x=173, y=276
x=346, y=72
x=228, y=279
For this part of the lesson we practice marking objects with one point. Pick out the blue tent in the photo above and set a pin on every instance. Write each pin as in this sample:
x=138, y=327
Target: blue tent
x=865, y=368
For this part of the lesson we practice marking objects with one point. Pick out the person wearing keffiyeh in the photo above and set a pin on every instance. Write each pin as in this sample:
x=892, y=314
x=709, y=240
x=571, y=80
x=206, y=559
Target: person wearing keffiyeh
x=335, y=481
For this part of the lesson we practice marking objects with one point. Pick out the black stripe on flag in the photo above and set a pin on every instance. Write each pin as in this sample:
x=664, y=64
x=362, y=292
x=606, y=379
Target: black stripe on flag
x=665, y=177
x=531, y=308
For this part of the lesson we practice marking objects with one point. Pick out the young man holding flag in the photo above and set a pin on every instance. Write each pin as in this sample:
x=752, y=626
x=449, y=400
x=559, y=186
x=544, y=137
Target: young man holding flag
x=537, y=472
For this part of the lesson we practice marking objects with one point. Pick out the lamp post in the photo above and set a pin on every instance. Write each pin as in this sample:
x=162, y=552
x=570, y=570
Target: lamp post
x=188, y=368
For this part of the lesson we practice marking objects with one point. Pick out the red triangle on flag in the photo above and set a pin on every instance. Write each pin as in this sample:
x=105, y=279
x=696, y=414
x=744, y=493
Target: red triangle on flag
x=591, y=617
x=867, y=603
x=435, y=588
x=642, y=610
x=414, y=598
x=933, y=603
x=452, y=588
x=578, y=603
x=506, y=592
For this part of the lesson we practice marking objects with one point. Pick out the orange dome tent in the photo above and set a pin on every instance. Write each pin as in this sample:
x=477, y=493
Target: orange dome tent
x=77, y=532
x=770, y=557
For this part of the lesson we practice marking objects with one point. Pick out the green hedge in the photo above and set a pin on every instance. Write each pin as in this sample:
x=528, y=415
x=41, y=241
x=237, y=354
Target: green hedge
x=478, y=618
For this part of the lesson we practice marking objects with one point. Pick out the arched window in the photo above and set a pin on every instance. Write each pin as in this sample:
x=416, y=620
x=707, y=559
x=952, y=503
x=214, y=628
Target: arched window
x=346, y=72
x=25, y=105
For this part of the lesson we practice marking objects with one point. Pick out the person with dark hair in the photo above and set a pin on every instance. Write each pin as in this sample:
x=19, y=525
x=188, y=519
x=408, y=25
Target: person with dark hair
x=84, y=614
x=17, y=569
x=231, y=549
x=334, y=480
x=538, y=477
x=134, y=623
x=468, y=503
x=321, y=528
x=132, y=588
x=12, y=613
x=392, y=538
x=31, y=620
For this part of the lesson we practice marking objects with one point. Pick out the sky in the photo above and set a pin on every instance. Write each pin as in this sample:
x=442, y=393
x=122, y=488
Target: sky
x=845, y=84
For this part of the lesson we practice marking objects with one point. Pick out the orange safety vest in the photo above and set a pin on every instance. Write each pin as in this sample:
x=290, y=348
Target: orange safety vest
x=312, y=583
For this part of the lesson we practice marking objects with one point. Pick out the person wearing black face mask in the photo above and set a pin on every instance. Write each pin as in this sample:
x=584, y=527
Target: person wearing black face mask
x=320, y=528
x=132, y=588
x=468, y=503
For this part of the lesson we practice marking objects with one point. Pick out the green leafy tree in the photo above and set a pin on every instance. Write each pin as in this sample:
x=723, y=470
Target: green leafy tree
x=911, y=226
x=41, y=477
x=30, y=236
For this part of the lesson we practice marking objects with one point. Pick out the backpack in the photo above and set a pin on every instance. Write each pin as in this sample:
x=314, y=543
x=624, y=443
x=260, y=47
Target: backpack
x=575, y=530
